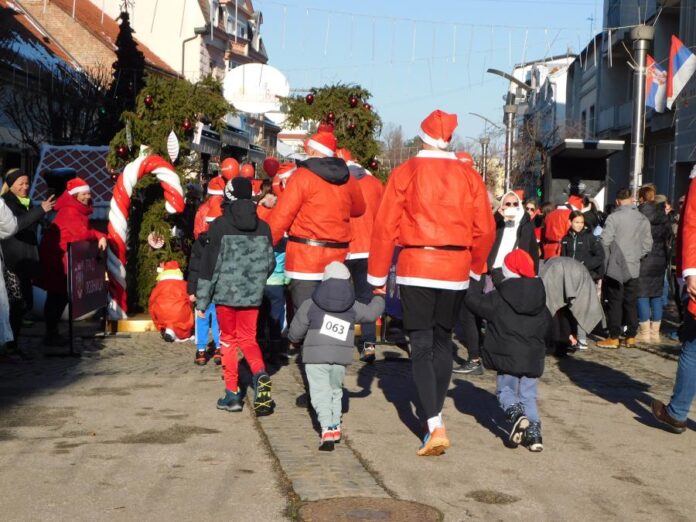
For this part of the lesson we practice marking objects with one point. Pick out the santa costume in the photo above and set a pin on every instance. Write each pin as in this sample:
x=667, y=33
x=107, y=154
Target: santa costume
x=438, y=211
x=170, y=307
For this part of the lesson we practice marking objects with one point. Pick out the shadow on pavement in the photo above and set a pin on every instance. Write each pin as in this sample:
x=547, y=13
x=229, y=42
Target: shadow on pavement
x=480, y=404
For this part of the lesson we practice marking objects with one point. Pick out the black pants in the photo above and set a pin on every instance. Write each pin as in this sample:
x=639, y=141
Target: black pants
x=53, y=310
x=300, y=291
x=468, y=330
x=363, y=294
x=621, y=306
x=429, y=316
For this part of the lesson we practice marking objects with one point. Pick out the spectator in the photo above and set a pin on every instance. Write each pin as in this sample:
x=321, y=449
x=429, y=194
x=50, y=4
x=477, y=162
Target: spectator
x=653, y=267
x=71, y=224
x=626, y=239
x=556, y=223
x=21, y=251
x=8, y=226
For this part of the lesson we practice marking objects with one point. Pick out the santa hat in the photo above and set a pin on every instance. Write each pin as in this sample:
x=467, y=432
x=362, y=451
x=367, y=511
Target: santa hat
x=323, y=142
x=169, y=270
x=518, y=263
x=216, y=186
x=464, y=157
x=77, y=185
x=576, y=202
x=229, y=168
x=437, y=129
x=519, y=193
x=344, y=154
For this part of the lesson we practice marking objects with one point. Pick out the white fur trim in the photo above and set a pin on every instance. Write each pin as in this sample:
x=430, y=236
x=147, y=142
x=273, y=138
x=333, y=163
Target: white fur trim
x=376, y=281
x=214, y=192
x=509, y=274
x=209, y=219
x=305, y=276
x=78, y=189
x=170, y=277
x=320, y=148
x=440, y=154
x=358, y=255
x=474, y=275
x=439, y=143
x=431, y=283
x=688, y=272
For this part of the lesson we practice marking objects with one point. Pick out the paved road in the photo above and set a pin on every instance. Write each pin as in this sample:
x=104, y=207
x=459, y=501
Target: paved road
x=130, y=431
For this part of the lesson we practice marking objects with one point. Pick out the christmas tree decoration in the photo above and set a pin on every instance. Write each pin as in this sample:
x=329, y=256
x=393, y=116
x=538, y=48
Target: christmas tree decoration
x=373, y=165
x=118, y=222
x=122, y=151
x=155, y=240
x=351, y=126
x=367, y=106
x=353, y=101
x=331, y=117
x=172, y=146
x=187, y=125
x=309, y=99
x=129, y=135
x=149, y=101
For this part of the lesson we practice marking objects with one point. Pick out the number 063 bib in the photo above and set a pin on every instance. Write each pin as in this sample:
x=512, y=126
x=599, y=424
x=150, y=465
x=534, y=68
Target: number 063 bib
x=335, y=327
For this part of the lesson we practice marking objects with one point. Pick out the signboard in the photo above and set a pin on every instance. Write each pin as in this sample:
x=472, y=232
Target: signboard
x=393, y=301
x=86, y=278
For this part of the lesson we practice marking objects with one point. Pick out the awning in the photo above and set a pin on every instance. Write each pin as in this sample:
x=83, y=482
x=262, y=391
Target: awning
x=235, y=137
x=208, y=143
x=586, y=149
x=256, y=154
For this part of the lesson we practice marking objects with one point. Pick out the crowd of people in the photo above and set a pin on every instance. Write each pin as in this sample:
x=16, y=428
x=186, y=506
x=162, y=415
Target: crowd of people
x=293, y=263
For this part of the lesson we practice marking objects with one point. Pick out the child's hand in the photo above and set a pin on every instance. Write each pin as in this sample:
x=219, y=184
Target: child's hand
x=192, y=298
x=200, y=313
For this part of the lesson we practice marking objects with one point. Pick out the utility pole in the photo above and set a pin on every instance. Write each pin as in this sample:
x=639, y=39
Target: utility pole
x=642, y=37
x=484, y=157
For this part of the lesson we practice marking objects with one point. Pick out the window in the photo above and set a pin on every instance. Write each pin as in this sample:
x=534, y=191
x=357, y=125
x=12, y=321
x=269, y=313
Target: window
x=591, y=122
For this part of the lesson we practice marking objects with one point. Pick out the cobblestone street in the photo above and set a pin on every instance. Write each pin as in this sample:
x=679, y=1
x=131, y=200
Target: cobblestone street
x=130, y=431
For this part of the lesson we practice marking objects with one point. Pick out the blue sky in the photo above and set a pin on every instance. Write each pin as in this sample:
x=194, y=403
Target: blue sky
x=419, y=55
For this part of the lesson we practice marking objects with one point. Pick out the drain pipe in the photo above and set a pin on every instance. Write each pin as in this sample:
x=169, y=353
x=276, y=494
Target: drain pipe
x=197, y=31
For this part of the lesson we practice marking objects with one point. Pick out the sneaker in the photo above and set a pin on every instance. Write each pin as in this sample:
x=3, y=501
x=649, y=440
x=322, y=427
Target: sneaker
x=470, y=367
x=368, y=353
x=263, y=403
x=168, y=335
x=532, y=437
x=336, y=431
x=434, y=443
x=230, y=402
x=660, y=413
x=516, y=417
x=327, y=440
x=217, y=357
x=582, y=345
x=200, y=359
x=609, y=342
x=629, y=342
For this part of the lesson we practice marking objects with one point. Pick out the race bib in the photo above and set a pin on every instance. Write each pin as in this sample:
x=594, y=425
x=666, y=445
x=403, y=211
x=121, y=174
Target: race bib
x=335, y=327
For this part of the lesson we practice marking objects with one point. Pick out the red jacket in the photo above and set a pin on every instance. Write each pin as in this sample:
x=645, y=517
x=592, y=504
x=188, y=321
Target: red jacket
x=556, y=226
x=316, y=205
x=361, y=227
x=170, y=307
x=432, y=200
x=686, y=240
x=70, y=225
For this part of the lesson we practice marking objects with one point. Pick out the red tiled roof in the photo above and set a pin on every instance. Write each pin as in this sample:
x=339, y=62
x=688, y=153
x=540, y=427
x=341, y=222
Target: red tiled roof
x=90, y=17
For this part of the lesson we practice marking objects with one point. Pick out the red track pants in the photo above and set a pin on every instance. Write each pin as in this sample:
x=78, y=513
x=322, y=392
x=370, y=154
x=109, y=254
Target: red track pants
x=238, y=330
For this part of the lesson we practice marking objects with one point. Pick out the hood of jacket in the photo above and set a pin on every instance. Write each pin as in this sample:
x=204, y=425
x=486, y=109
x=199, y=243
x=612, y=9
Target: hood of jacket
x=525, y=295
x=519, y=210
x=334, y=295
x=242, y=214
x=68, y=201
x=655, y=213
x=332, y=170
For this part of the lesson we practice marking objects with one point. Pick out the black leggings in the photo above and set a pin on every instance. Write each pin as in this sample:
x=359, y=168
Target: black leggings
x=53, y=310
x=431, y=357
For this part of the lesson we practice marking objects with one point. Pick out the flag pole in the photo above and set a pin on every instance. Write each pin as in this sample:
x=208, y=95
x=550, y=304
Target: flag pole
x=642, y=37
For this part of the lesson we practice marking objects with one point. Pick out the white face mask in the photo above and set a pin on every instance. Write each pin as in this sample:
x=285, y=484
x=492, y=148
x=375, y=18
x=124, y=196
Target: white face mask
x=512, y=212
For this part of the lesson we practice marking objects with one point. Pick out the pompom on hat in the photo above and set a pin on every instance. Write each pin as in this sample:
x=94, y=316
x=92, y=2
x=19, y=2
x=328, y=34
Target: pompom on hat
x=437, y=129
x=518, y=263
x=323, y=142
x=77, y=185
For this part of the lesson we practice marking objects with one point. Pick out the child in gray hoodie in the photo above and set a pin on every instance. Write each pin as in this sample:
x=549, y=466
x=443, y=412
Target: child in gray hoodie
x=326, y=322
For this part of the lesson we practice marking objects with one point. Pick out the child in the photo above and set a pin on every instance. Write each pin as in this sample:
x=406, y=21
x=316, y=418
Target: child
x=515, y=343
x=327, y=324
x=235, y=265
x=170, y=307
x=209, y=322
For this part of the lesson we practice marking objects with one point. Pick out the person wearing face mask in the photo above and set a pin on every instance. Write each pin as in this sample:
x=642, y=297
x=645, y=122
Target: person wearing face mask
x=20, y=251
x=70, y=225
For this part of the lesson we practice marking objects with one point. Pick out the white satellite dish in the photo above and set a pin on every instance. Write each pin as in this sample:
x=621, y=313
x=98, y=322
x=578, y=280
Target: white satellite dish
x=255, y=88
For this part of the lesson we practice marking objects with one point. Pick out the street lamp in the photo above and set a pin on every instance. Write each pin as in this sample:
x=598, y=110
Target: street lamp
x=509, y=111
x=484, y=151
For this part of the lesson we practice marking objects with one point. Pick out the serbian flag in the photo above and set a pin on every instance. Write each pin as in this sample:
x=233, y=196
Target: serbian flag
x=682, y=64
x=655, y=86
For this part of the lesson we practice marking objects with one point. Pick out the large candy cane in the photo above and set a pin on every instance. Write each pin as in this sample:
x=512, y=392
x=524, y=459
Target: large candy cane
x=118, y=221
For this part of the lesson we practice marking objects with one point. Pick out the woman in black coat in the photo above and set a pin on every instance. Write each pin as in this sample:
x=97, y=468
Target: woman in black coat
x=653, y=266
x=20, y=252
x=581, y=244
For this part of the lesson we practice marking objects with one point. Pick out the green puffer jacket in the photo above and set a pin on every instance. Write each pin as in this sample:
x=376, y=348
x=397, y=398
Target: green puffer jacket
x=237, y=259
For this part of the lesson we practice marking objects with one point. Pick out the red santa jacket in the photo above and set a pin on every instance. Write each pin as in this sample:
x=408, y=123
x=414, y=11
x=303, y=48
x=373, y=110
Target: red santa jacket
x=71, y=224
x=170, y=307
x=431, y=201
x=686, y=239
x=361, y=227
x=556, y=226
x=315, y=209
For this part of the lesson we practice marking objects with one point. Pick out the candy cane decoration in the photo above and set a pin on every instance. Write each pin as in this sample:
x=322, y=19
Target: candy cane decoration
x=118, y=221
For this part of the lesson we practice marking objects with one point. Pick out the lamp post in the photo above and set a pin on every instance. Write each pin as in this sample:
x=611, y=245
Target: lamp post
x=642, y=36
x=484, y=156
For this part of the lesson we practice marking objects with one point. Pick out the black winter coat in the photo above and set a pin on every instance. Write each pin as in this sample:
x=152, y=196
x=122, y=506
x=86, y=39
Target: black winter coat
x=526, y=240
x=654, y=265
x=194, y=264
x=587, y=249
x=518, y=325
x=21, y=252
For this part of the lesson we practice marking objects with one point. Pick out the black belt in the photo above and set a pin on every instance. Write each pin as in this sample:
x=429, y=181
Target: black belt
x=314, y=242
x=440, y=247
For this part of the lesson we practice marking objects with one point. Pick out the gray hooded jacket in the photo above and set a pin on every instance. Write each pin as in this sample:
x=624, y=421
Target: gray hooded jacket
x=630, y=230
x=327, y=322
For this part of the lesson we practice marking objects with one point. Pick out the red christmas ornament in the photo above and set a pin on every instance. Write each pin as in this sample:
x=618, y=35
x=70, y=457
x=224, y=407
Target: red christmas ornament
x=122, y=151
x=309, y=99
x=149, y=100
x=331, y=117
x=351, y=126
x=353, y=101
x=187, y=125
x=374, y=164
x=367, y=106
